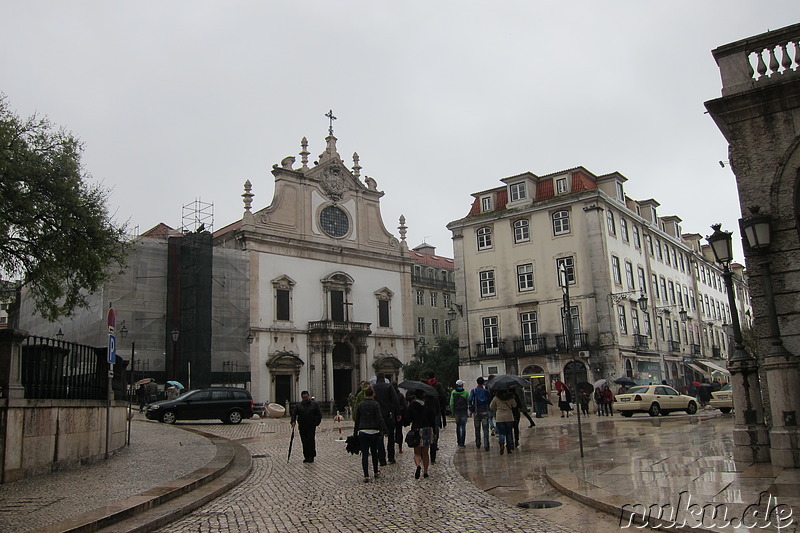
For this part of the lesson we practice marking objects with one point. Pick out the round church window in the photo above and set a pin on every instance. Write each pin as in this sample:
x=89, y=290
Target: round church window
x=334, y=221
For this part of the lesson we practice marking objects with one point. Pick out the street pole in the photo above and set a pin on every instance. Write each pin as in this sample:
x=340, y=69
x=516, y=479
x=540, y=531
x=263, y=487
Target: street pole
x=131, y=392
x=567, y=315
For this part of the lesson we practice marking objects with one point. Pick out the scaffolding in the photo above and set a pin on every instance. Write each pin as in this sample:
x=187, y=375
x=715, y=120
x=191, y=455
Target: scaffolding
x=197, y=216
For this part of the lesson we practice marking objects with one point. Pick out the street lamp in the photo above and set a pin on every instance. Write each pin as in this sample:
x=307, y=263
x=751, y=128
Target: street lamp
x=60, y=335
x=123, y=332
x=250, y=338
x=175, y=334
x=620, y=296
x=722, y=245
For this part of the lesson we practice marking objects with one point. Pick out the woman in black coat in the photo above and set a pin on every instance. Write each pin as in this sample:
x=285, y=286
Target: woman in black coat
x=422, y=419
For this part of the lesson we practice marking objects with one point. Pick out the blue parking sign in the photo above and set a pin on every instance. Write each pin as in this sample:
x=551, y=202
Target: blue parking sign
x=112, y=349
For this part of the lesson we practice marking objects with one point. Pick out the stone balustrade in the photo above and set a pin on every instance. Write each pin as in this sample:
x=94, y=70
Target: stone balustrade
x=771, y=57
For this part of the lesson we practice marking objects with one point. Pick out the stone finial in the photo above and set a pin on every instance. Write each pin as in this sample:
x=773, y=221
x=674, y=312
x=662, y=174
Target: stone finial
x=248, y=196
x=371, y=183
x=356, y=166
x=402, y=228
x=287, y=162
x=304, y=152
x=330, y=150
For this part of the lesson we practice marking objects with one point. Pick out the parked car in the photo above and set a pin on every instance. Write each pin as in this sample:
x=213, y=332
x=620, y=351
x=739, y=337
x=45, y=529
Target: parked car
x=229, y=404
x=654, y=400
x=723, y=399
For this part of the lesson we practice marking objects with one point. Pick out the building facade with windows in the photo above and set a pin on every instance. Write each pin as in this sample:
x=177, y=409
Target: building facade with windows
x=434, y=287
x=645, y=300
x=330, y=287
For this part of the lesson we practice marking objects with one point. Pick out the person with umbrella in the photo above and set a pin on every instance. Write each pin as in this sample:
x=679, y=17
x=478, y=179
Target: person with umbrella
x=141, y=396
x=503, y=404
x=307, y=415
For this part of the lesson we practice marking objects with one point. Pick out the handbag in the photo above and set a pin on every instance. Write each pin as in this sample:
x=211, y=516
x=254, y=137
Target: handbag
x=413, y=438
x=353, y=445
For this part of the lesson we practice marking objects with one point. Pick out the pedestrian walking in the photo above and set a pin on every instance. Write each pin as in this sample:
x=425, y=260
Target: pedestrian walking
x=564, y=400
x=608, y=401
x=422, y=417
x=459, y=406
x=387, y=398
x=400, y=419
x=584, y=399
x=523, y=407
x=540, y=400
x=479, y=401
x=307, y=416
x=503, y=404
x=141, y=396
x=370, y=426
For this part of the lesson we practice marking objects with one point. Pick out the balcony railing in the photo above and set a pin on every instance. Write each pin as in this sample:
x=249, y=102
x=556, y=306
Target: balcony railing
x=333, y=325
x=759, y=60
x=534, y=346
x=641, y=342
x=695, y=349
x=579, y=342
x=490, y=349
x=433, y=282
x=674, y=346
x=716, y=351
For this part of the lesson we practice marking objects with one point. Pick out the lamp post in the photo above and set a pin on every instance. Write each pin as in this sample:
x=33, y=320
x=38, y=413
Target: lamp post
x=175, y=335
x=568, y=334
x=780, y=367
x=123, y=332
x=750, y=437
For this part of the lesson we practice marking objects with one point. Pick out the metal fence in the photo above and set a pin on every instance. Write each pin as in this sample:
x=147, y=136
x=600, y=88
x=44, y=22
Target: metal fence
x=54, y=369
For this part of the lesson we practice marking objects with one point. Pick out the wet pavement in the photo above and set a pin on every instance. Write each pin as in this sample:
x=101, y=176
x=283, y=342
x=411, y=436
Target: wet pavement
x=639, y=464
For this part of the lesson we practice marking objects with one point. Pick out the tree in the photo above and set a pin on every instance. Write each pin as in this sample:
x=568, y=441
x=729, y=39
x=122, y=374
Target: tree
x=56, y=235
x=442, y=360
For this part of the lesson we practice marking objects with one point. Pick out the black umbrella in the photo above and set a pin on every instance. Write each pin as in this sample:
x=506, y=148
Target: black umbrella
x=628, y=382
x=585, y=386
x=418, y=385
x=291, y=441
x=506, y=382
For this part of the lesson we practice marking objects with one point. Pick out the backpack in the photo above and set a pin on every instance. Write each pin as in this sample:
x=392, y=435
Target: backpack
x=460, y=403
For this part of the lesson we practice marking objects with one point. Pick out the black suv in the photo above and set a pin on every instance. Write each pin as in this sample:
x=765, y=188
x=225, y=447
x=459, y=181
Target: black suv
x=229, y=404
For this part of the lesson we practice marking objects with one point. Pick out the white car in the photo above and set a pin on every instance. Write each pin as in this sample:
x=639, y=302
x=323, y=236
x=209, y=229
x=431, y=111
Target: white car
x=654, y=400
x=723, y=399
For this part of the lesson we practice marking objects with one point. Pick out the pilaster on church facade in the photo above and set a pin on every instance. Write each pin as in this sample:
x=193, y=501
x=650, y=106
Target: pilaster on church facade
x=331, y=300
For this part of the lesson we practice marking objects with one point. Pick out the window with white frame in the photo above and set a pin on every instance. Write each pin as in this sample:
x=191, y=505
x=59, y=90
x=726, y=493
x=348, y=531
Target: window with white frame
x=669, y=330
x=623, y=322
x=635, y=321
x=575, y=320
x=660, y=325
x=529, y=325
x=448, y=327
x=560, y=222
x=421, y=326
x=659, y=254
x=434, y=298
x=666, y=252
x=674, y=257
x=615, y=270
x=612, y=226
x=491, y=337
x=637, y=241
x=525, y=277
x=646, y=320
x=420, y=297
x=486, y=203
x=642, y=279
x=567, y=265
x=517, y=191
x=620, y=192
x=434, y=326
x=487, y=283
x=561, y=186
x=446, y=300
x=629, y=275
x=521, y=231
x=484, y=238
x=623, y=229
x=671, y=292
x=655, y=286
x=664, y=290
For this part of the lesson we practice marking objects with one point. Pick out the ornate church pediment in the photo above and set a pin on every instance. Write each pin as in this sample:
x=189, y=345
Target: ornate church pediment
x=387, y=361
x=285, y=361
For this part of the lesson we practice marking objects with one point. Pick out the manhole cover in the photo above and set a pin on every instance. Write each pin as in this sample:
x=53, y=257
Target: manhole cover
x=539, y=504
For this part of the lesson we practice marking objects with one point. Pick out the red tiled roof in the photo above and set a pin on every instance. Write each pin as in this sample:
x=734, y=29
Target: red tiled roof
x=544, y=189
x=582, y=182
x=161, y=231
x=432, y=260
x=230, y=227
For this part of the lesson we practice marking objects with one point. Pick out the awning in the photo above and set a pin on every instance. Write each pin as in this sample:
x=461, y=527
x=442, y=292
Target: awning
x=697, y=369
x=714, y=366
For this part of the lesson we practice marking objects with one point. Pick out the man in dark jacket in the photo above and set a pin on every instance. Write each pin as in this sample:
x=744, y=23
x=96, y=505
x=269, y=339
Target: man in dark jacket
x=306, y=413
x=390, y=409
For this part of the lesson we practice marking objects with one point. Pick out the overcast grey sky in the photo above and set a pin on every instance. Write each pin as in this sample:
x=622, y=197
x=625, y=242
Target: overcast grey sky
x=178, y=101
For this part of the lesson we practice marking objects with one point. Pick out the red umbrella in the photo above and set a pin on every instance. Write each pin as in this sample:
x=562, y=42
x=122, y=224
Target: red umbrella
x=695, y=383
x=560, y=386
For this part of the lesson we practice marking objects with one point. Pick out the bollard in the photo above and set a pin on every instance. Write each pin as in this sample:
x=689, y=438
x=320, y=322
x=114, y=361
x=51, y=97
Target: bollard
x=338, y=421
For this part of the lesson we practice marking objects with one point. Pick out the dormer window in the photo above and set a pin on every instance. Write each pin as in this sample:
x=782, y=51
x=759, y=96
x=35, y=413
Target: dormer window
x=654, y=215
x=486, y=203
x=620, y=192
x=561, y=186
x=517, y=191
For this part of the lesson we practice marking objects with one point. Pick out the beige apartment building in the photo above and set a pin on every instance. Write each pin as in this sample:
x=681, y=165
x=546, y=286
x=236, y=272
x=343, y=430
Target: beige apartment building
x=645, y=300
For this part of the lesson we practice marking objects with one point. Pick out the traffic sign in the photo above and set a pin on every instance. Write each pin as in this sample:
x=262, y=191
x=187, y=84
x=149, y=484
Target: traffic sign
x=112, y=349
x=112, y=319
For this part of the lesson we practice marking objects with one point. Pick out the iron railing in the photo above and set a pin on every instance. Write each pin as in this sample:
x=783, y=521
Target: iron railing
x=433, y=282
x=53, y=369
x=533, y=346
x=490, y=349
x=642, y=342
x=695, y=349
x=579, y=341
x=674, y=346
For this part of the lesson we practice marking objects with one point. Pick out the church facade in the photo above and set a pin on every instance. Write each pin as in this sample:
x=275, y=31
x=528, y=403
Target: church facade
x=330, y=286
